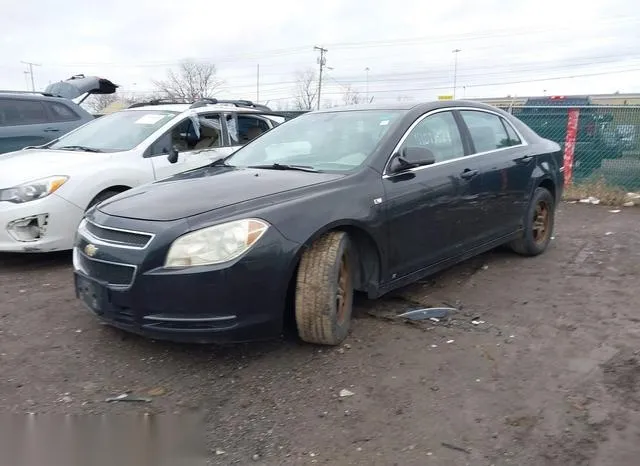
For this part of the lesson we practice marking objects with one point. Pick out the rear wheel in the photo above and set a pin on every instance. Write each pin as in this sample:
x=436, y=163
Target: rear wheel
x=538, y=225
x=324, y=290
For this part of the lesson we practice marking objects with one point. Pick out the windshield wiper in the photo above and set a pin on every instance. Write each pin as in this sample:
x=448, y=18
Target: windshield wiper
x=281, y=166
x=83, y=148
x=219, y=163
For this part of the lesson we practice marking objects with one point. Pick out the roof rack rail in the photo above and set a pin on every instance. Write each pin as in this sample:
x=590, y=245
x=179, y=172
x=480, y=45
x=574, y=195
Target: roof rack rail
x=237, y=103
x=156, y=102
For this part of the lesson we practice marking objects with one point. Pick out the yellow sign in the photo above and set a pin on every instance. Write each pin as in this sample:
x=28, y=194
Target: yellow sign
x=445, y=97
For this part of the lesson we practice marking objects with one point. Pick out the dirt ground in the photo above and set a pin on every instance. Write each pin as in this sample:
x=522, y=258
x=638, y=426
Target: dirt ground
x=552, y=376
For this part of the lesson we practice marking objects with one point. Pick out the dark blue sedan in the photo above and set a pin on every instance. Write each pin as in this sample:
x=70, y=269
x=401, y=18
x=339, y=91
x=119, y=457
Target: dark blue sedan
x=365, y=198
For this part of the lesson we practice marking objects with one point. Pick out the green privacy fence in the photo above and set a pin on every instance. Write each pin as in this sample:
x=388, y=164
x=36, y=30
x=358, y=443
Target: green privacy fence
x=599, y=142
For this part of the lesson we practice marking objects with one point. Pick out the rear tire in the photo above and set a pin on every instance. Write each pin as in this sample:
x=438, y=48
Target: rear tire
x=324, y=290
x=538, y=224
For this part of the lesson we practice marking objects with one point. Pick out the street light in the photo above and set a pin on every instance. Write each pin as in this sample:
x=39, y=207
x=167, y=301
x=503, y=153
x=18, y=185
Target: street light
x=455, y=70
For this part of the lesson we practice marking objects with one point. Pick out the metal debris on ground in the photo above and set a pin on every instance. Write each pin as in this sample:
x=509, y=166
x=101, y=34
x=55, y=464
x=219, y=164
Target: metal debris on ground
x=590, y=200
x=608, y=233
x=129, y=397
x=454, y=447
x=432, y=313
x=344, y=393
x=628, y=204
x=450, y=341
x=615, y=211
x=478, y=322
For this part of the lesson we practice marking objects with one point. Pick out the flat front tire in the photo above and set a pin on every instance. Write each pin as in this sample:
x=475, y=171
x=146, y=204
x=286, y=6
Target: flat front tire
x=324, y=290
x=538, y=224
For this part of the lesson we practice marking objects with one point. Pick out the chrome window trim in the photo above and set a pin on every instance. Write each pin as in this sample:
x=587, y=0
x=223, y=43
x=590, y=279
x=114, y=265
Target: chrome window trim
x=386, y=174
x=117, y=244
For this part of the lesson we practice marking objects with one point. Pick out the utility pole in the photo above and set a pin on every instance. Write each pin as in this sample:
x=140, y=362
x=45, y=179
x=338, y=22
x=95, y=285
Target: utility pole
x=455, y=71
x=31, y=65
x=258, y=84
x=367, y=71
x=322, y=61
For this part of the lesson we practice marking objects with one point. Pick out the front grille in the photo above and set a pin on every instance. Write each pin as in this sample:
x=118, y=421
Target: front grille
x=108, y=272
x=118, y=237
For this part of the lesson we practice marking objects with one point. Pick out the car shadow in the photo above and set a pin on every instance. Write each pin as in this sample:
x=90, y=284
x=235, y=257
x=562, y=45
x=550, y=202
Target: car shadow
x=12, y=261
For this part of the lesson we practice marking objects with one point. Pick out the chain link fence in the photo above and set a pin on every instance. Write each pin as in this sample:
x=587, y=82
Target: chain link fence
x=600, y=143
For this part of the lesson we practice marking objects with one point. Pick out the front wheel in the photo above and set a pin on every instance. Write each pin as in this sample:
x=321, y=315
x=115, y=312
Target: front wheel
x=538, y=225
x=103, y=196
x=324, y=290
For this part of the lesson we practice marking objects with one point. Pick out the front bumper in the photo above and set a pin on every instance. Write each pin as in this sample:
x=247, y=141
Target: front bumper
x=57, y=220
x=237, y=302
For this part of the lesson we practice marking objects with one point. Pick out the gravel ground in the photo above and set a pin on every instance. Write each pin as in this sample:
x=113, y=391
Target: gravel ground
x=552, y=376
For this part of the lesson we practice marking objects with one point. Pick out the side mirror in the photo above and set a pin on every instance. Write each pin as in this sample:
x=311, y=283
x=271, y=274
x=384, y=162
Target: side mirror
x=412, y=157
x=173, y=155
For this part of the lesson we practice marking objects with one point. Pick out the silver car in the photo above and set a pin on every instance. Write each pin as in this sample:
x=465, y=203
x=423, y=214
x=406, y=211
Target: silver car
x=36, y=118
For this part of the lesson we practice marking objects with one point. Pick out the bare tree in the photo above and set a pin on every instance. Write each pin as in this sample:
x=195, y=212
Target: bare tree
x=306, y=90
x=351, y=96
x=192, y=82
x=97, y=103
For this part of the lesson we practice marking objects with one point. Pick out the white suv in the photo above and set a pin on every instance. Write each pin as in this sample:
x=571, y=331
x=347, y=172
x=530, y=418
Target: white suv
x=45, y=191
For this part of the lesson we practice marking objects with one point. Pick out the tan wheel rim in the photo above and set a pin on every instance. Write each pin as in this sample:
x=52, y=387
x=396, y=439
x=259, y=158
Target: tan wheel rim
x=342, y=294
x=541, y=221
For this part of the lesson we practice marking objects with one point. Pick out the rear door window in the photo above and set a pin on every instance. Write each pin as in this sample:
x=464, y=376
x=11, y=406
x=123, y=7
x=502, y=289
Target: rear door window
x=514, y=139
x=15, y=112
x=487, y=131
x=242, y=129
x=61, y=112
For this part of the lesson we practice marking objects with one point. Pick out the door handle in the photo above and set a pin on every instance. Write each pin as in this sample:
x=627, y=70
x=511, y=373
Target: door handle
x=524, y=159
x=467, y=174
x=51, y=130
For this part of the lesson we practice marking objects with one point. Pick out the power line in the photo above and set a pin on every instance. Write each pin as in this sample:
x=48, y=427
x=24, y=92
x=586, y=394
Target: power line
x=441, y=75
x=497, y=83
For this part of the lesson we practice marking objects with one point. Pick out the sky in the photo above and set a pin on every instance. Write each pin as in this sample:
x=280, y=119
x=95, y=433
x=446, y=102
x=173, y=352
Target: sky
x=507, y=47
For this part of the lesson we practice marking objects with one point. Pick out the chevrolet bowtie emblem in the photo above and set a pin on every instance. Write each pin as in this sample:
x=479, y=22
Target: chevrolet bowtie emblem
x=90, y=250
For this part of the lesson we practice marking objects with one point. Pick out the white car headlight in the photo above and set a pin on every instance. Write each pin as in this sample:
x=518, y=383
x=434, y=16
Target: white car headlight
x=33, y=189
x=216, y=244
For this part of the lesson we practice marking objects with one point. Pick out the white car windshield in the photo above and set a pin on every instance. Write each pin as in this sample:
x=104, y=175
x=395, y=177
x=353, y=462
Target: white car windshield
x=119, y=131
x=332, y=141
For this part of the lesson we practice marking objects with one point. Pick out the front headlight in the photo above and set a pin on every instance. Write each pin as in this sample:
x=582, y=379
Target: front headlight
x=33, y=189
x=216, y=244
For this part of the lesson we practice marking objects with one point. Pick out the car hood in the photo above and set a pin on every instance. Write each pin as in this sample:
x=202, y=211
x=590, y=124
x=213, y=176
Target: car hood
x=32, y=164
x=202, y=190
x=80, y=84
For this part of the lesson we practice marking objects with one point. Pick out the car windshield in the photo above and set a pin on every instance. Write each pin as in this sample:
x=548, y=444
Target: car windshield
x=331, y=141
x=119, y=131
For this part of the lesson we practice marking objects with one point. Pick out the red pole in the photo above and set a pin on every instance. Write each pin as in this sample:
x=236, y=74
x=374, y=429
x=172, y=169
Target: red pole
x=570, y=143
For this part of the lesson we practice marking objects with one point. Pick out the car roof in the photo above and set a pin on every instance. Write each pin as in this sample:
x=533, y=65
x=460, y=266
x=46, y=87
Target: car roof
x=423, y=106
x=33, y=96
